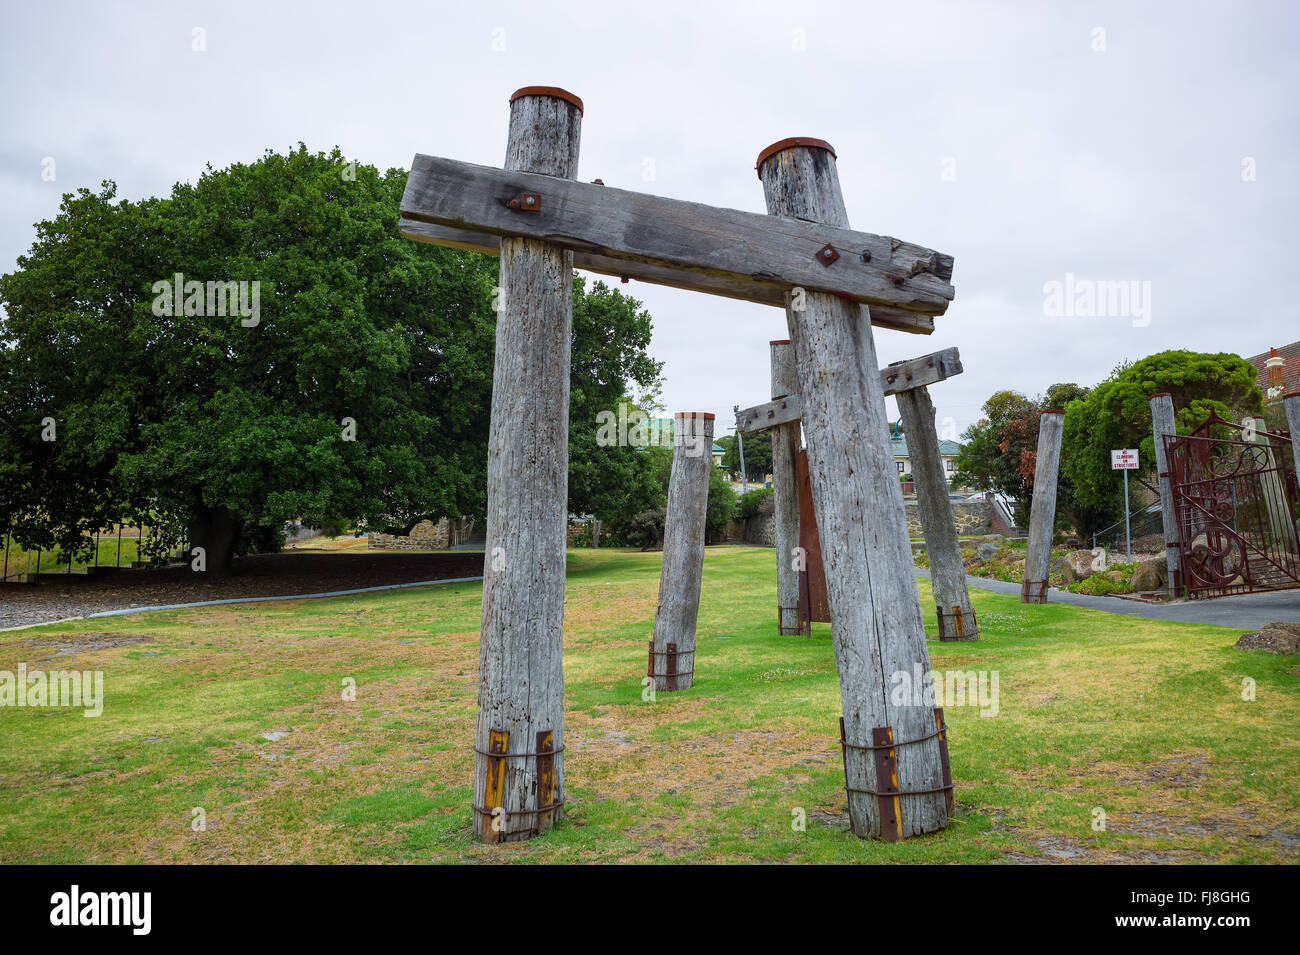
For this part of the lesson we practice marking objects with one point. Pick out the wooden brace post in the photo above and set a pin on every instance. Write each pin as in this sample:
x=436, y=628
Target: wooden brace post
x=521, y=674
x=672, y=650
x=1042, y=513
x=875, y=610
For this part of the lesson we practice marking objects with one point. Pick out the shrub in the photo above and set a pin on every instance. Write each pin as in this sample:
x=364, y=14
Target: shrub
x=750, y=504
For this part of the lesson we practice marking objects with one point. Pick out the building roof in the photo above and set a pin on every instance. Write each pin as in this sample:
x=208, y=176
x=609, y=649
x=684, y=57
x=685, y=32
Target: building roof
x=1290, y=355
x=946, y=448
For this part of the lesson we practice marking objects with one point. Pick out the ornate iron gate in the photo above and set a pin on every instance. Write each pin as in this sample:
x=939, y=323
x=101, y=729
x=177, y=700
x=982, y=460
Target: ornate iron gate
x=1235, y=498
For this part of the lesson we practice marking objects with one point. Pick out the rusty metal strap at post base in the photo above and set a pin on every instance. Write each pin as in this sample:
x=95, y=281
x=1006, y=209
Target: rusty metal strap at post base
x=548, y=752
x=784, y=631
x=1027, y=591
x=484, y=811
x=963, y=627
x=890, y=745
x=900, y=792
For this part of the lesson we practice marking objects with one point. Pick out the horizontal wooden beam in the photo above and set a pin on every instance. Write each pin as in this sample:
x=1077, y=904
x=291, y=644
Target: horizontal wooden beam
x=918, y=372
x=771, y=415
x=900, y=376
x=749, y=250
x=881, y=316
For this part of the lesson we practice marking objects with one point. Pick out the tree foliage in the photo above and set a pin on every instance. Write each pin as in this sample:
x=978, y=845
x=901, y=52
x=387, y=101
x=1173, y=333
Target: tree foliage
x=1117, y=413
x=361, y=393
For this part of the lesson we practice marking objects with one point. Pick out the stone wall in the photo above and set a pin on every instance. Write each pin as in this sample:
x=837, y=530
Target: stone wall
x=425, y=535
x=971, y=517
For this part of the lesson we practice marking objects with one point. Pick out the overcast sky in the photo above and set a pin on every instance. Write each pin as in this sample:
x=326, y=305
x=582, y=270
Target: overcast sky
x=1143, y=142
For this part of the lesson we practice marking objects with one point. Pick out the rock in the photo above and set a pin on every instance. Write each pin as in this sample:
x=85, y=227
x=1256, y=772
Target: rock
x=985, y=551
x=1145, y=576
x=1076, y=566
x=1279, y=637
x=1162, y=569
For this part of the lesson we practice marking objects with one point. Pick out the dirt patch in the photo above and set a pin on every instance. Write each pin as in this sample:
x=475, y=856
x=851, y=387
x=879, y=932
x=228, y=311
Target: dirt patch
x=70, y=643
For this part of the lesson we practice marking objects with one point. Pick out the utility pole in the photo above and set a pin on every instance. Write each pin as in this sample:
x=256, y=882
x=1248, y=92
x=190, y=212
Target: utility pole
x=740, y=443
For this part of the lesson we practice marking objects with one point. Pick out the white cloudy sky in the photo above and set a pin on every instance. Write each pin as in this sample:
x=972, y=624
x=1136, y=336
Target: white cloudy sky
x=1124, y=163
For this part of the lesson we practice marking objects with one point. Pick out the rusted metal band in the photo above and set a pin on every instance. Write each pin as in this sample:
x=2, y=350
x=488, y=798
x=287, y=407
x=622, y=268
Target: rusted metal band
x=664, y=676
x=554, y=91
x=675, y=653
x=549, y=752
x=483, y=811
x=908, y=742
x=899, y=792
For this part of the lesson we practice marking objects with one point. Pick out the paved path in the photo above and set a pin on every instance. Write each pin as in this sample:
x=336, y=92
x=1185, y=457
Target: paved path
x=1243, y=612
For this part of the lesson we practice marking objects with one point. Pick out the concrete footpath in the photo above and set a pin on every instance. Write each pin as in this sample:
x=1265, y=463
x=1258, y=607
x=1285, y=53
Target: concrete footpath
x=1243, y=612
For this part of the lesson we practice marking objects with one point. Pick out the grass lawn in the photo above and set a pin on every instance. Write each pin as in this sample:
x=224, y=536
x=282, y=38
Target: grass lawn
x=1143, y=720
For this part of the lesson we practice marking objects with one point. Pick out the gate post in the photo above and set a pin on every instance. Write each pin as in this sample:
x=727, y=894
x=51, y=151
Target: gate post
x=947, y=574
x=519, y=739
x=1291, y=404
x=785, y=449
x=1162, y=423
x=672, y=649
x=892, y=754
x=1042, y=514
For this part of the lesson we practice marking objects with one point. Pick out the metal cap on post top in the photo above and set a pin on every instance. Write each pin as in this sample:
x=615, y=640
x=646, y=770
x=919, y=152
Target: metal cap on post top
x=792, y=142
x=547, y=91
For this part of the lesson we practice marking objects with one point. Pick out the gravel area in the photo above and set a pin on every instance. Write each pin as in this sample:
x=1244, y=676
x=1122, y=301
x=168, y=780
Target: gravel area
x=272, y=575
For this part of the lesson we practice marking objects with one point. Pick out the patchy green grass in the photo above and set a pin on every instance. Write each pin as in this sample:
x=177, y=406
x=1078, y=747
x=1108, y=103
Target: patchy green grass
x=1140, y=719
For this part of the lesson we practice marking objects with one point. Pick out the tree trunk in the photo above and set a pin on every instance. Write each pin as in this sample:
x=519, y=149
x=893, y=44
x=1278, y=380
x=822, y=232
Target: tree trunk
x=947, y=574
x=216, y=530
x=672, y=649
x=595, y=533
x=521, y=676
x=1042, y=512
x=785, y=449
x=876, y=626
x=1162, y=423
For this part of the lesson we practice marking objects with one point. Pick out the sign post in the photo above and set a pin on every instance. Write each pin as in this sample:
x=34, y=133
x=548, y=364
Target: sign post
x=1125, y=459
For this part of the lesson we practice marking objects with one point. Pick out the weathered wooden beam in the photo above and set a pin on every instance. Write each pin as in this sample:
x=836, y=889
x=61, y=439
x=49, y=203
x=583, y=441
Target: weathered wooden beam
x=777, y=252
x=1042, y=513
x=882, y=316
x=1162, y=423
x=1291, y=405
x=894, y=379
x=521, y=673
x=672, y=648
x=875, y=609
x=918, y=372
x=772, y=414
x=947, y=574
x=785, y=494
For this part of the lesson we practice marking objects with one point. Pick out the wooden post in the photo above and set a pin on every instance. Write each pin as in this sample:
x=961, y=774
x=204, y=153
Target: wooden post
x=672, y=649
x=1162, y=423
x=1042, y=513
x=1291, y=404
x=785, y=449
x=947, y=574
x=876, y=624
x=521, y=676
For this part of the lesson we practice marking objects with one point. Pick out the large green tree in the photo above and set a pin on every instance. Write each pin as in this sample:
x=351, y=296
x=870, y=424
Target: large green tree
x=358, y=391
x=1117, y=413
